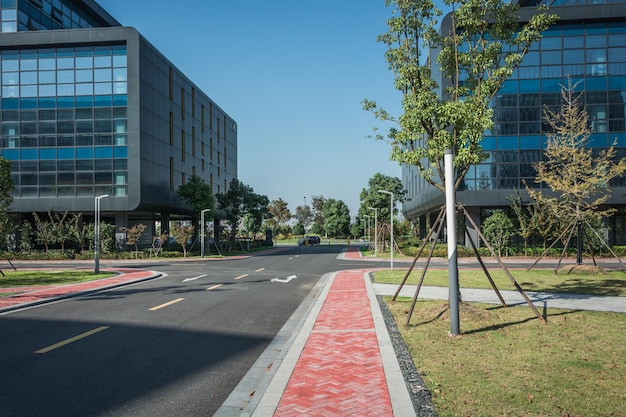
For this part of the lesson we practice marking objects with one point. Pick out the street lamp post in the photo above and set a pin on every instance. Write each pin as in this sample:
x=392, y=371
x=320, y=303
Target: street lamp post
x=304, y=211
x=391, y=215
x=364, y=228
x=96, y=246
x=202, y=225
x=375, y=230
x=368, y=228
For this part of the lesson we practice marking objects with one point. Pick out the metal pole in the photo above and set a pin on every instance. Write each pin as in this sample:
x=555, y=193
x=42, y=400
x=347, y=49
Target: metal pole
x=375, y=230
x=391, y=215
x=453, y=272
x=202, y=225
x=96, y=248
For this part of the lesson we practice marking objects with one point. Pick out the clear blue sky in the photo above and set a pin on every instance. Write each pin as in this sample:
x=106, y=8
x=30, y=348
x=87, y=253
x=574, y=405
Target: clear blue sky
x=292, y=74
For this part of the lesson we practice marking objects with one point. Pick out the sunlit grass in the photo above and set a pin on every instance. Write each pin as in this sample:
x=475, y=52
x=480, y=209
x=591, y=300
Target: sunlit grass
x=47, y=277
x=507, y=363
x=613, y=283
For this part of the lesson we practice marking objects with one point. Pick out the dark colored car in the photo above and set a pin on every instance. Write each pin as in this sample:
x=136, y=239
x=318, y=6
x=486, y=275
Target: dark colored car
x=309, y=240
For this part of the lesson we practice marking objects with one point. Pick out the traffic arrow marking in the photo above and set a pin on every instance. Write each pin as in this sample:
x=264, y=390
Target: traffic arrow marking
x=284, y=281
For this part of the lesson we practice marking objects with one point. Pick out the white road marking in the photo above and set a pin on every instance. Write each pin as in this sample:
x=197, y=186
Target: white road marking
x=194, y=278
x=284, y=281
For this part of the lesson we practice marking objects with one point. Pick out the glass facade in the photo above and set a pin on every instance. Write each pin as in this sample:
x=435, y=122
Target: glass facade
x=64, y=120
x=594, y=56
x=28, y=15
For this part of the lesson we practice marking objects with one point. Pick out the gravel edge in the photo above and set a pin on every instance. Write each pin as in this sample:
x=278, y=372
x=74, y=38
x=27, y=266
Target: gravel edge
x=420, y=396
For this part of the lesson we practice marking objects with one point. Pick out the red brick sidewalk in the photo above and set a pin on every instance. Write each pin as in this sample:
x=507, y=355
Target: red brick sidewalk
x=340, y=370
x=29, y=295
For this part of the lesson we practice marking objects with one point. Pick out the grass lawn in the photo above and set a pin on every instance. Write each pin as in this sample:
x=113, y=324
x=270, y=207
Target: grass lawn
x=612, y=283
x=47, y=277
x=507, y=363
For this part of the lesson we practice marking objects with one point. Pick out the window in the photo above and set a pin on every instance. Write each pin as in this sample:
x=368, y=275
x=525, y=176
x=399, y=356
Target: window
x=193, y=141
x=171, y=174
x=171, y=129
x=182, y=145
x=182, y=103
x=202, y=118
x=193, y=102
x=171, y=84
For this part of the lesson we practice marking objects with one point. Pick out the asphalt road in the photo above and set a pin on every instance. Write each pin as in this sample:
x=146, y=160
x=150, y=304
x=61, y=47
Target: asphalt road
x=175, y=346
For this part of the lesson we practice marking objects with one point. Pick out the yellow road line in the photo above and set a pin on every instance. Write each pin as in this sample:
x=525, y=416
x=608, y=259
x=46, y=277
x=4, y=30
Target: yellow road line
x=241, y=276
x=166, y=304
x=71, y=340
x=214, y=287
x=259, y=270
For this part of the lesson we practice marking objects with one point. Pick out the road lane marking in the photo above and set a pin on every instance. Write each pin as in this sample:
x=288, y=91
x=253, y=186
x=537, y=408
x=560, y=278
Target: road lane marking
x=178, y=300
x=71, y=340
x=284, y=281
x=260, y=269
x=194, y=278
x=214, y=287
x=241, y=276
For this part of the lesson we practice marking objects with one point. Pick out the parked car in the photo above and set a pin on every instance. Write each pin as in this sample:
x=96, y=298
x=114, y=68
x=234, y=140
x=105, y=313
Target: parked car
x=309, y=240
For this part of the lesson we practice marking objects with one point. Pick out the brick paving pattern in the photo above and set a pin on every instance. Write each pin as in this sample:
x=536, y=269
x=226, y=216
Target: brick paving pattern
x=340, y=371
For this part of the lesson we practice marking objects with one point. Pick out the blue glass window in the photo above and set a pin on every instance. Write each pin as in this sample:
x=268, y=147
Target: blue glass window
x=120, y=152
x=84, y=153
x=28, y=154
x=508, y=142
x=11, y=154
x=47, y=154
x=104, y=153
x=65, y=153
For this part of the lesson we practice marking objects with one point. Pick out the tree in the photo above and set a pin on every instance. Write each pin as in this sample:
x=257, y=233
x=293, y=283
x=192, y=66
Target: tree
x=44, y=232
x=317, y=202
x=182, y=234
x=336, y=218
x=303, y=216
x=6, y=187
x=498, y=230
x=198, y=195
x=239, y=200
x=279, y=213
x=578, y=178
x=482, y=48
x=372, y=197
x=133, y=235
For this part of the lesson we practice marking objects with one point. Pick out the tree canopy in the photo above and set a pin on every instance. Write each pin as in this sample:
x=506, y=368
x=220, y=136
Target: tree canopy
x=198, y=195
x=336, y=218
x=483, y=45
x=372, y=197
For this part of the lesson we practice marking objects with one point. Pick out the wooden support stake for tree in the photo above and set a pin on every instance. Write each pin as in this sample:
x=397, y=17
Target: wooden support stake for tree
x=493, y=253
x=419, y=252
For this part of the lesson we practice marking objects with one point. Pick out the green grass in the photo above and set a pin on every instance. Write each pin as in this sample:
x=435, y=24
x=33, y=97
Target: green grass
x=507, y=363
x=47, y=277
x=613, y=283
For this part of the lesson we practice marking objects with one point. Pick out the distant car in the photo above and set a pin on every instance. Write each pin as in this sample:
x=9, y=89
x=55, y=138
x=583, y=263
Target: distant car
x=309, y=240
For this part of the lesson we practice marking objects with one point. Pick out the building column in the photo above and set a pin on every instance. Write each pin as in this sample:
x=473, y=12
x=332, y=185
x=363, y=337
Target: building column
x=422, y=228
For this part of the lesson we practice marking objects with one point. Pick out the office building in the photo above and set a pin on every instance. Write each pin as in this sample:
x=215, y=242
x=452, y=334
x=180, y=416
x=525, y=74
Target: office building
x=89, y=107
x=587, y=43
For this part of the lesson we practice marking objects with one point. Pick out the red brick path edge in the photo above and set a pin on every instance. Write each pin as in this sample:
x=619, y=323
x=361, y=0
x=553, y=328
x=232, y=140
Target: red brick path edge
x=33, y=295
x=340, y=370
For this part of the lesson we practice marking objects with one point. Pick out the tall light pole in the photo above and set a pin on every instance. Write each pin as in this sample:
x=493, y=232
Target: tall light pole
x=202, y=225
x=368, y=229
x=364, y=227
x=391, y=215
x=304, y=210
x=96, y=246
x=375, y=230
